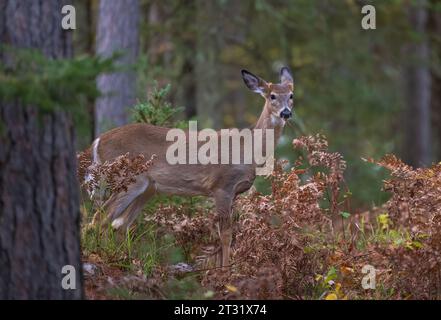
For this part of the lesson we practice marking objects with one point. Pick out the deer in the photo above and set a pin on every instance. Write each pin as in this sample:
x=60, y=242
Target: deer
x=221, y=182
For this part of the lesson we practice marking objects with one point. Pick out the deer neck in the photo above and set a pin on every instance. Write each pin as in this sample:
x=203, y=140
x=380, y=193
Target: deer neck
x=267, y=120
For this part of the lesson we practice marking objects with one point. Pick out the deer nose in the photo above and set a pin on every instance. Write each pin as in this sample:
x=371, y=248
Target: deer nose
x=285, y=114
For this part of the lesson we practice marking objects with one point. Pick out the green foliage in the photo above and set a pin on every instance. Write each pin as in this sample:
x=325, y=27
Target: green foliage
x=185, y=288
x=142, y=243
x=325, y=285
x=345, y=89
x=157, y=110
x=348, y=81
x=138, y=249
x=345, y=215
x=50, y=84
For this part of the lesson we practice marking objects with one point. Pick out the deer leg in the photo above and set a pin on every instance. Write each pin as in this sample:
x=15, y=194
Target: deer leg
x=131, y=213
x=118, y=203
x=223, y=206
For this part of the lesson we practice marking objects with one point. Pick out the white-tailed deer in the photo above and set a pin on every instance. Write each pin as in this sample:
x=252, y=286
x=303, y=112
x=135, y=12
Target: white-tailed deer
x=223, y=182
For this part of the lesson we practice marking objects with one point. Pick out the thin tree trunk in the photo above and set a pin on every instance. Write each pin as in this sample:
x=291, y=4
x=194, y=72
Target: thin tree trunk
x=418, y=90
x=209, y=85
x=436, y=80
x=118, y=31
x=84, y=35
x=188, y=88
x=84, y=43
x=39, y=200
x=159, y=43
x=436, y=114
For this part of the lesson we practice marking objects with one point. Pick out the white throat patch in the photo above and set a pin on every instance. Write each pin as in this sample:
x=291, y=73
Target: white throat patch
x=276, y=120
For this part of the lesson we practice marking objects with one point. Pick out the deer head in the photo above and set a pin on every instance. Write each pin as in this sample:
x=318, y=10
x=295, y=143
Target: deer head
x=278, y=97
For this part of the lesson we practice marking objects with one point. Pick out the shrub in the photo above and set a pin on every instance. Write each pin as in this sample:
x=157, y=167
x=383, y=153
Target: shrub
x=286, y=244
x=156, y=110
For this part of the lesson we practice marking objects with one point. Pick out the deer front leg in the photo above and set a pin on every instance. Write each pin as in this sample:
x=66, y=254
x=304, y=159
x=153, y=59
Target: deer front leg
x=223, y=205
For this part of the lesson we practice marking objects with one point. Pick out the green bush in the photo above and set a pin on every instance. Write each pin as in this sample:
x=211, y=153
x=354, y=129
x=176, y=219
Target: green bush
x=156, y=110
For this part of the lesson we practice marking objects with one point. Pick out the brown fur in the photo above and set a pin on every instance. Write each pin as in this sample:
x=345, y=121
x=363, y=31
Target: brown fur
x=219, y=181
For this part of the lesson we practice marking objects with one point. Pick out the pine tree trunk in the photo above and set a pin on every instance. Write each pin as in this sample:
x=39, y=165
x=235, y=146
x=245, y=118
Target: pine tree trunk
x=418, y=86
x=118, y=31
x=39, y=200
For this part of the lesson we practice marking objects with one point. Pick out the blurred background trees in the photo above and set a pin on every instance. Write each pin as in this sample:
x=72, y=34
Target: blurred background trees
x=371, y=92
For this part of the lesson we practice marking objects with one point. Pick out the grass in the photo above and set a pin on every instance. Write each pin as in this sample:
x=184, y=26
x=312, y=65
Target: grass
x=140, y=251
x=139, y=248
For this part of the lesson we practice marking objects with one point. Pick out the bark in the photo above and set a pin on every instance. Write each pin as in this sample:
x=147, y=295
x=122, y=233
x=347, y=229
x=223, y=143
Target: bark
x=118, y=31
x=418, y=90
x=39, y=200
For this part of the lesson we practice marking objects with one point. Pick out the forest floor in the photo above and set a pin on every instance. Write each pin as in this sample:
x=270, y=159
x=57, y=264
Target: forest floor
x=300, y=241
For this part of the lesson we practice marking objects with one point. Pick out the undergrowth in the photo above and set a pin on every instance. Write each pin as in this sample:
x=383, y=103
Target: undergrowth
x=303, y=240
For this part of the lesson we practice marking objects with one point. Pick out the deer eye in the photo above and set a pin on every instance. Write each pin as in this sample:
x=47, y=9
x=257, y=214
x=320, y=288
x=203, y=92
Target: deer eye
x=290, y=96
x=273, y=97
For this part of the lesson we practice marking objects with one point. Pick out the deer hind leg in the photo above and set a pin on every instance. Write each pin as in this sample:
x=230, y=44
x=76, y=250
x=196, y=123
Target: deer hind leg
x=223, y=205
x=117, y=204
x=131, y=213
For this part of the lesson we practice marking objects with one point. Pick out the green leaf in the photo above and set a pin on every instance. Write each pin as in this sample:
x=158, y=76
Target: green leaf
x=345, y=214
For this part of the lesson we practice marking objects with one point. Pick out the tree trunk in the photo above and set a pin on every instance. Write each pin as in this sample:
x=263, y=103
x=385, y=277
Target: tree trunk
x=436, y=80
x=84, y=35
x=189, y=88
x=84, y=43
x=39, y=200
x=118, y=31
x=418, y=90
x=209, y=85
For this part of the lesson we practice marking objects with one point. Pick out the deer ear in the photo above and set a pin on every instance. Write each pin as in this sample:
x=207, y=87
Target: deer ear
x=253, y=82
x=285, y=76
